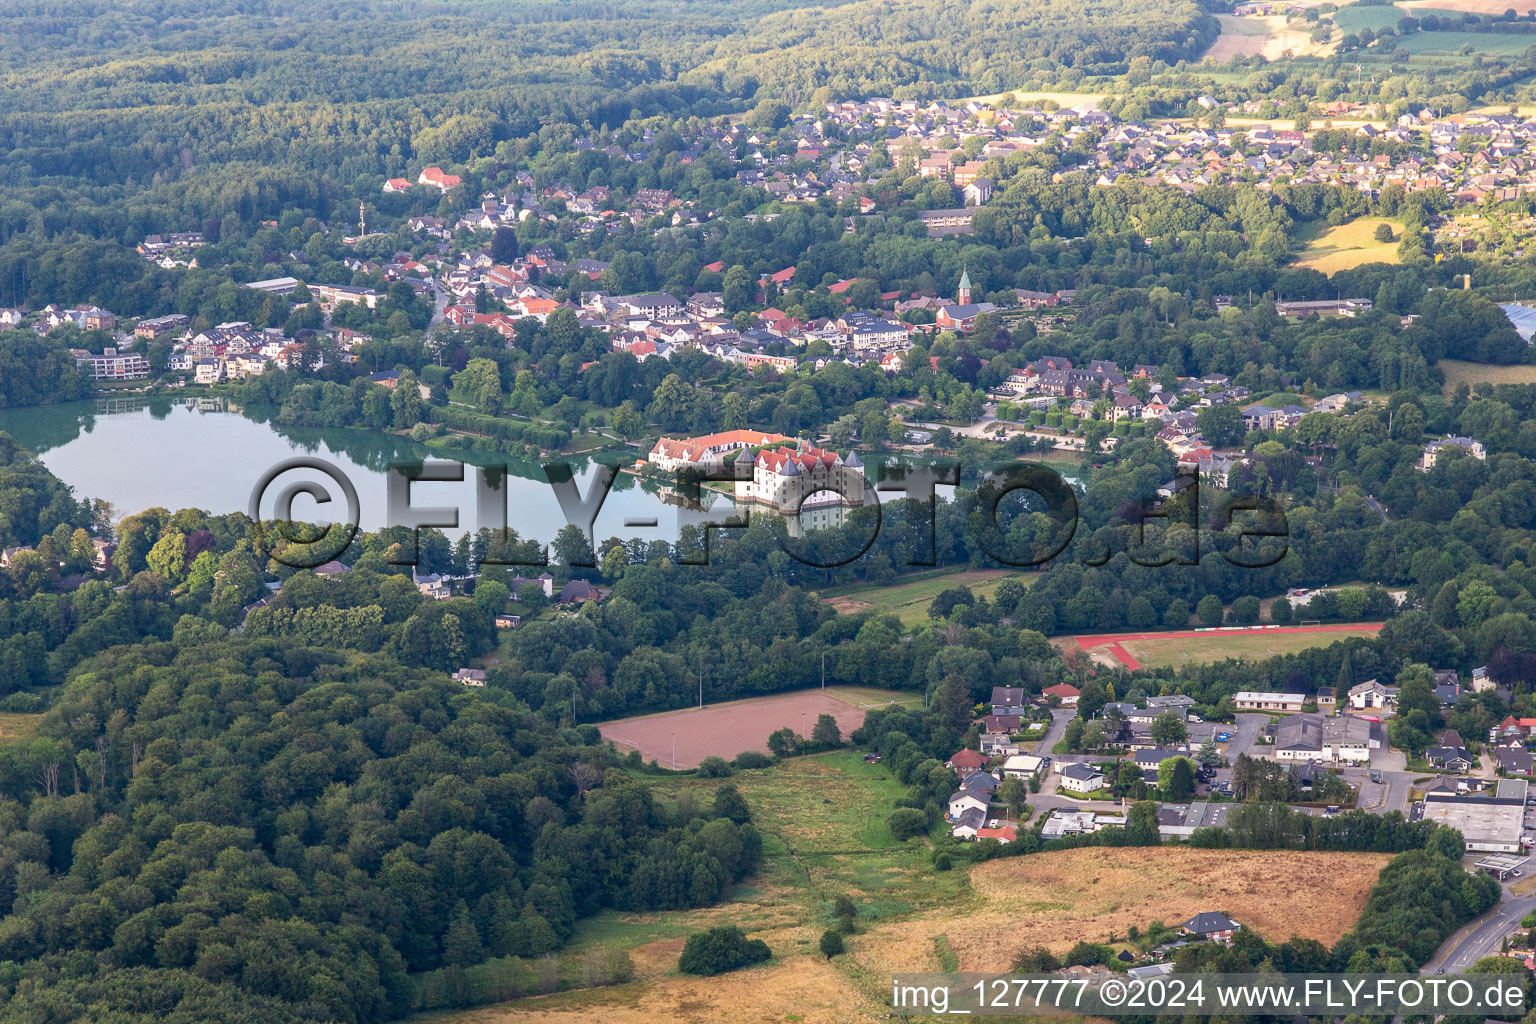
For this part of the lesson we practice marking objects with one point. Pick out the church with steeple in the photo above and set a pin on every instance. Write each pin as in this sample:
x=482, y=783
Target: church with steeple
x=961, y=316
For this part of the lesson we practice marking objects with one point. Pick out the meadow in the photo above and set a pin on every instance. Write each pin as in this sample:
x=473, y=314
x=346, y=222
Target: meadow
x=1329, y=248
x=1458, y=371
x=16, y=727
x=909, y=600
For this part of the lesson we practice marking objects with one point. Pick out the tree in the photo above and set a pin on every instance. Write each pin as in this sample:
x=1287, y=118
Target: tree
x=1013, y=792
x=1168, y=729
x=831, y=943
x=729, y=803
x=1209, y=610
x=405, y=401
x=480, y=380
x=504, y=245
x=1222, y=425
x=826, y=733
x=784, y=742
x=1245, y=610
x=1176, y=778
x=1384, y=232
x=1208, y=756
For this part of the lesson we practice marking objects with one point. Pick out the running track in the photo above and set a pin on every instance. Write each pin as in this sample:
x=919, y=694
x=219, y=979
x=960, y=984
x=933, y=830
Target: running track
x=1112, y=641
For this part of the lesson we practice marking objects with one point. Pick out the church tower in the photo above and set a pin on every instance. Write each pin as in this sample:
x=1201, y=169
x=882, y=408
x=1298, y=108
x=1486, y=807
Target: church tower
x=964, y=297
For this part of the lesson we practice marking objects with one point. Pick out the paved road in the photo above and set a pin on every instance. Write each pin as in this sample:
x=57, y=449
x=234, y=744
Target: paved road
x=1482, y=937
x=1059, y=719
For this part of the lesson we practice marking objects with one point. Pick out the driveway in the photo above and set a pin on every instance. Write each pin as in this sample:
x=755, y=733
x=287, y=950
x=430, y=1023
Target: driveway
x=1245, y=734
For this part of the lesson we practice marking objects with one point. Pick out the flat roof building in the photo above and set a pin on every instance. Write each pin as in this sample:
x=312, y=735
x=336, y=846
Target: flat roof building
x=1488, y=824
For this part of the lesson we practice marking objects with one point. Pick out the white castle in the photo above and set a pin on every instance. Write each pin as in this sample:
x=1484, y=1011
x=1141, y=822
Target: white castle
x=801, y=478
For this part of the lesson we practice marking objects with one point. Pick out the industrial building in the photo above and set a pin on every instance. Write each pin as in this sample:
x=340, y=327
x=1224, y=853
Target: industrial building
x=1489, y=823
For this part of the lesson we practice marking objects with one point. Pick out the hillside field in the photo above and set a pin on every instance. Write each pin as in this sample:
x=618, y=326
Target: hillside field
x=823, y=819
x=16, y=727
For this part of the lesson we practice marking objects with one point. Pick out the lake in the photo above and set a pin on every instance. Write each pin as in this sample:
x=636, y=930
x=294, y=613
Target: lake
x=138, y=453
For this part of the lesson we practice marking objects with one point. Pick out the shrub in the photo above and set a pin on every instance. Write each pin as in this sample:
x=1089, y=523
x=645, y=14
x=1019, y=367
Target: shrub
x=721, y=949
x=907, y=822
x=749, y=759
x=831, y=944
x=713, y=767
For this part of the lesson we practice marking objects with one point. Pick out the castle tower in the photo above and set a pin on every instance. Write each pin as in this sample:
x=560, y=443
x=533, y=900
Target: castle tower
x=746, y=475
x=964, y=296
x=853, y=479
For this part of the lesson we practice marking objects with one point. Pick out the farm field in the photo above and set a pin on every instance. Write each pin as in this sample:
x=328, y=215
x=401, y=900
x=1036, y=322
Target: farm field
x=16, y=727
x=1456, y=371
x=1357, y=16
x=822, y=820
x=1330, y=249
x=1262, y=35
x=1492, y=43
x=725, y=730
x=1055, y=899
x=909, y=601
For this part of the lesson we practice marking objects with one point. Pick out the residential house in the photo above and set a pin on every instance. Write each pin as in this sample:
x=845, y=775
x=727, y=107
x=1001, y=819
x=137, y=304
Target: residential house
x=1009, y=700
x=1371, y=694
x=1434, y=449
x=1066, y=693
x=1081, y=778
x=1211, y=925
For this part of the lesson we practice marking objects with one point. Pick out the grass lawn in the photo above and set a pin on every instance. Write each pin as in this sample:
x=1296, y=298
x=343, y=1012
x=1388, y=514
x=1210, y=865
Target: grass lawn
x=16, y=727
x=868, y=697
x=1176, y=651
x=909, y=600
x=1457, y=370
x=1330, y=249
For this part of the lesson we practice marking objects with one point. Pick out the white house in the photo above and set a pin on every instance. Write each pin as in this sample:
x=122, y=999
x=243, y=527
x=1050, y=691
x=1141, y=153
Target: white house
x=1371, y=694
x=1252, y=700
x=1081, y=778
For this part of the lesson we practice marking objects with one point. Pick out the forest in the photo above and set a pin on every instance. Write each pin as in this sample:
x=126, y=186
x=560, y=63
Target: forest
x=241, y=829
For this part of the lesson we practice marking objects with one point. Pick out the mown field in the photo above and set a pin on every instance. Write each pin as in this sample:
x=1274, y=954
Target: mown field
x=823, y=823
x=1457, y=371
x=1176, y=651
x=909, y=601
x=1329, y=249
x=16, y=727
